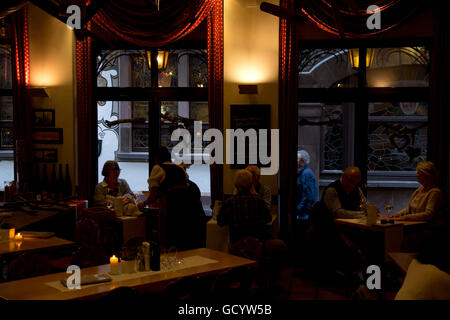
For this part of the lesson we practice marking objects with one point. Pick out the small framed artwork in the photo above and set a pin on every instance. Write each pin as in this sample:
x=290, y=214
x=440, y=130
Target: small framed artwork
x=46, y=155
x=6, y=138
x=43, y=117
x=48, y=135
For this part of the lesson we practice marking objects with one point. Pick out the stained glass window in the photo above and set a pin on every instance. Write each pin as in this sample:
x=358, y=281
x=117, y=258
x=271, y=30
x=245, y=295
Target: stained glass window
x=7, y=140
x=333, y=149
x=397, y=135
x=326, y=68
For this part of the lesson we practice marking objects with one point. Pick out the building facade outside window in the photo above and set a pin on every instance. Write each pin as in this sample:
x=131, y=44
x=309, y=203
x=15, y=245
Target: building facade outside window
x=177, y=100
x=6, y=110
x=385, y=101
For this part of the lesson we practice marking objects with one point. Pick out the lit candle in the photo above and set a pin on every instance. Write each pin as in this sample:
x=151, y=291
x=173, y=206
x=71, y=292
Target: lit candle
x=12, y=233
x=114, y=265
x=18, y=237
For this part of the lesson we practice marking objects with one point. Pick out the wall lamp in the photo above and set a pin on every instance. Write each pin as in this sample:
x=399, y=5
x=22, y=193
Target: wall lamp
x=248, y=88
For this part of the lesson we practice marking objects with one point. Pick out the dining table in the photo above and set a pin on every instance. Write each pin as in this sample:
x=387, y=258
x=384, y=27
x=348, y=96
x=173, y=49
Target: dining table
x=13, y=247
x=197, y=262
x=387, y=236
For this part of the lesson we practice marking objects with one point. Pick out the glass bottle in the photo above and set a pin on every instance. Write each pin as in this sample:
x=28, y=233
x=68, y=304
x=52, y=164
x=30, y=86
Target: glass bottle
x=67, y=183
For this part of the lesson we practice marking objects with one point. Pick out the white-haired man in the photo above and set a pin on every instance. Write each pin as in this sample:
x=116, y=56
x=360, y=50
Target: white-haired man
x=307, y=190
x=245, y=213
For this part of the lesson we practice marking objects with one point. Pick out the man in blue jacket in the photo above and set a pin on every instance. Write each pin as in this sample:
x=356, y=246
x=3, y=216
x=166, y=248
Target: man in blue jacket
x=307, y=190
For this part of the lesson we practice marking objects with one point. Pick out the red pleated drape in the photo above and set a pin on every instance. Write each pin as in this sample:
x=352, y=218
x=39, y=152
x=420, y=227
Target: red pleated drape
x=22, y=110
x=439, y=113
x=215, y=89
x=287, y=110
x=393, y=14
x=133, y=22
x=85, y=118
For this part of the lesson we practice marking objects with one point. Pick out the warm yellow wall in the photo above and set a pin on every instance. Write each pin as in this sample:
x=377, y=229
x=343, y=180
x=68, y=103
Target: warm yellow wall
x=51, y=66
x=250, y=56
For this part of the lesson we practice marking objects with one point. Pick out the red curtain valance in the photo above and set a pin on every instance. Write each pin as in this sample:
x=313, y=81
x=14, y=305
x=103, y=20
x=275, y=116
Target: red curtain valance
x=137, y=22
x=354, y=24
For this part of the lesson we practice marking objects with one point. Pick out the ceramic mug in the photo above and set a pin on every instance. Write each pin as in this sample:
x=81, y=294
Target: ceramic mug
x=372, y=211
x=118, y=206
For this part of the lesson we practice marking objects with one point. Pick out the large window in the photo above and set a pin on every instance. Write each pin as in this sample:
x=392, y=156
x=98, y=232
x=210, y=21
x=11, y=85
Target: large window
x=372, y=114
x=6, y=110
x=151, y=101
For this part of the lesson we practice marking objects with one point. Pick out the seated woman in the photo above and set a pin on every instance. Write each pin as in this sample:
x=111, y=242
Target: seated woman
x=112, y=187
x=428, y=275
x=427, y=199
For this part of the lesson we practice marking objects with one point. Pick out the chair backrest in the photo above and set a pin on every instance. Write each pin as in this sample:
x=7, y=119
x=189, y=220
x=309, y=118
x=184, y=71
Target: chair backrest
x=182, y=289
x=122, y=294
x=234, y=283
x=248, y=247
x=108, y=235
x=86, y=233
x=29, y=265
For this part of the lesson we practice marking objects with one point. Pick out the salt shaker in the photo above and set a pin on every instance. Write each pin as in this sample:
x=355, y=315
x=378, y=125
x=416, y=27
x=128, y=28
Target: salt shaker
x=146, y=249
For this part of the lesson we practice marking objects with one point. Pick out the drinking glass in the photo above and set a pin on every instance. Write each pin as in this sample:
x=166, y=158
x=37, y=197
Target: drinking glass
x=388, y=206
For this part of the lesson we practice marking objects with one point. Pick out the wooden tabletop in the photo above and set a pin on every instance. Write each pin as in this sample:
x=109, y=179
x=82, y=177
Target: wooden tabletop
x=361, y=223
x=31, y=244
x=37, y=289
x=402, y=259
x=20, y=219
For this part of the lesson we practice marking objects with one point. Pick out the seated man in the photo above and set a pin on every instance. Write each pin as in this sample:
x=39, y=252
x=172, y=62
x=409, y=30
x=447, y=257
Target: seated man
x=328, y=249
x=342, y=198
x=245, y=213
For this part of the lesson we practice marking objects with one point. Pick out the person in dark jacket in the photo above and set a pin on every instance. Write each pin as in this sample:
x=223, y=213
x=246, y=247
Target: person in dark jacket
x=181, y=214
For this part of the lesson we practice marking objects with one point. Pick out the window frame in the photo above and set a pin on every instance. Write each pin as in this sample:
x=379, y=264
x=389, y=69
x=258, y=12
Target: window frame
x=7, y=153
x=154, y=95
x=361, y=96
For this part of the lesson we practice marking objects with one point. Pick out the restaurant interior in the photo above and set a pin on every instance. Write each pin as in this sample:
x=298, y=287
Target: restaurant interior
x=94, y=94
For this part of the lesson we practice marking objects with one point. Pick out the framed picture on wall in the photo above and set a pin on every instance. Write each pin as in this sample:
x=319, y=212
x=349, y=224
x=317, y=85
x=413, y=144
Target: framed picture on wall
x=250, y=116
x=43, y=117
x=47, y=135
x=45, y=155
x=6, y=138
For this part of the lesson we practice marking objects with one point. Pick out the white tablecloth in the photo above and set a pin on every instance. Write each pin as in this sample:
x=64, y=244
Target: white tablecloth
x=217, y=238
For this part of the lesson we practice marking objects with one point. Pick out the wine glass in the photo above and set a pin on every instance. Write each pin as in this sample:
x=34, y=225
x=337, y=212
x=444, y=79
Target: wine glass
x=388, y=206
x=109, y=204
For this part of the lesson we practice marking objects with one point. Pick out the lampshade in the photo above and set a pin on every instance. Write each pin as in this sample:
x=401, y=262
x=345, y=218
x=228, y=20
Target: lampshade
x=162, y=58
x=354, y=57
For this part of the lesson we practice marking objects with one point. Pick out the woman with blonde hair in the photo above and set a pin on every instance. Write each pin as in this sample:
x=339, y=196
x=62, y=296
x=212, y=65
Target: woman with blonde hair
x=427, y=199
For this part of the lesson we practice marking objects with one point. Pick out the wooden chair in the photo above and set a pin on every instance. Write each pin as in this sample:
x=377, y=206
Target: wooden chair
x=235, y=283
x=122, y=294
x=109, y=231
x=88, y=253
x=28, y=265
x=182, y=289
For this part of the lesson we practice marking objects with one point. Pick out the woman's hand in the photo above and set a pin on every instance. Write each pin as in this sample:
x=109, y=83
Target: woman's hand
x=140, y=204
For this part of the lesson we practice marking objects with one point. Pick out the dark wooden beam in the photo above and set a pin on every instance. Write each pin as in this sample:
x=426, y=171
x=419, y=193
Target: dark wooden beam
x=280, y=12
